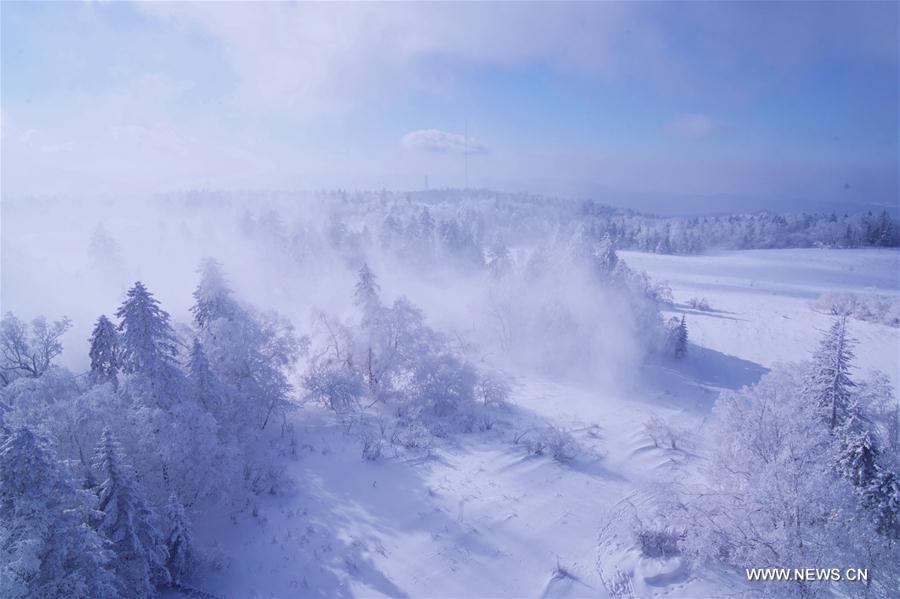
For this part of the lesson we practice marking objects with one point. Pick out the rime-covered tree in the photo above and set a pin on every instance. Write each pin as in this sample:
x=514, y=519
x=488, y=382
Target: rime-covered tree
x=857, y=453
x=179, y=541
x=47, y=548
x=104, y=352
x=213, y=297
x=365, y=294
x=829, y=384
x=149, y=346
x=681, y=339
x=247, y=351
x=773, y=497
x=129, y=522
x=203, y=380
x=25, y=352
x=882, y=496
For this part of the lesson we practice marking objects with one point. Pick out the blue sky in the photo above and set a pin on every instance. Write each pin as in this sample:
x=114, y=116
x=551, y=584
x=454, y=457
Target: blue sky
x=663, y=106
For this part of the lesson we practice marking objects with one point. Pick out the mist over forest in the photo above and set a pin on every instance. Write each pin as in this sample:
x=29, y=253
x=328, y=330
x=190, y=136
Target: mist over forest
x=556, y=300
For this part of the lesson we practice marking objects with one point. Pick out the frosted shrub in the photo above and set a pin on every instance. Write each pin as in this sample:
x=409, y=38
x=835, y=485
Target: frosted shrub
x=699, y=303
x=659, y=542
x=372, y=439
x=662, y=434
x=551, y=441
x=334, y=385
x=492, y=394
x=872, y=307
x=410, y=433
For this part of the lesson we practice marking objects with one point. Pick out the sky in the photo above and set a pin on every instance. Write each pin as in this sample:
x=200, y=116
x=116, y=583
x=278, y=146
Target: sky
x=669, y=107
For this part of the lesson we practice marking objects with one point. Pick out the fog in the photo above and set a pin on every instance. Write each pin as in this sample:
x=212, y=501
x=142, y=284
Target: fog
x=299, y=254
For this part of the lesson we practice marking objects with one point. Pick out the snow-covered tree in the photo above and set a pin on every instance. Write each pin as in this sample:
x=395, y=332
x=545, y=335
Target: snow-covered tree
x=179, y=541
x=149, y=347
x=129, y=522
x=365, y=294
x=681, y=339
x=213, y=297
x=677, y=337
x=104, y=352
x=772, y=496
x=248, y=352
x=203, y=381
x=829, y=383
x=47, y=548
x=29, y=353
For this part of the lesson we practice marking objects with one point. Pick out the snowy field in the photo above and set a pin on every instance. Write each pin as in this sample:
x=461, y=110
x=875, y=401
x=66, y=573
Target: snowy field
x=481, y=518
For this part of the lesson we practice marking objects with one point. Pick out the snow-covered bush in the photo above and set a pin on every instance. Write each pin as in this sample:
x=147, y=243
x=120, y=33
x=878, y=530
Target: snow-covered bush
x=872, y=307
x=659, y=542
x=663, y=434
x=372, y=438
x=492, y=393
x=550, y=441
x=699, y=303
x=334, y=384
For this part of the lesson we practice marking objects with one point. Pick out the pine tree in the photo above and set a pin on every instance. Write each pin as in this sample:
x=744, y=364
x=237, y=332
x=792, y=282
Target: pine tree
x=128, y=521
x=882, y=495
x=47, y=549
x=203, y=381
x=829, y=383
x=104, y=351
x=857, y=454
x=365, y=293
x=148, y=342
x=681, y=339
x=212, y=297
x=178, y=541
x=148, y=347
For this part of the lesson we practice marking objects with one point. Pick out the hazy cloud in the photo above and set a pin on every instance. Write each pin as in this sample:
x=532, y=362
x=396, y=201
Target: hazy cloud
x=437, y=141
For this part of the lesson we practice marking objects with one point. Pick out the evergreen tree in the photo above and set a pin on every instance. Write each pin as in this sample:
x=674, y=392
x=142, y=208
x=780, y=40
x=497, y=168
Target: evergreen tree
x=104, y=351
x=829, y=383
x=681, y=339
x=365, y=293
x=128, y=521
x=882, y=495
x=47, y=549
x=857, y=454
x=202, y=378
x=178, y=541
x=213, y=297
x=149, y=347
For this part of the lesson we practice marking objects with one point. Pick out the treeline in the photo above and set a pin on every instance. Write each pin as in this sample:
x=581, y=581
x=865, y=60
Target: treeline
x=466, y=227
x=677, y=235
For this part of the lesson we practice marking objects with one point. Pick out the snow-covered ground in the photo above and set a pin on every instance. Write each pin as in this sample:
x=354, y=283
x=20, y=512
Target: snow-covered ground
x=481, y=518
x=761, y=300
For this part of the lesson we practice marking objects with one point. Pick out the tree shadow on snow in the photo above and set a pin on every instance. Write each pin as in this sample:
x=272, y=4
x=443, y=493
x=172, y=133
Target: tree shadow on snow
x=695, y=382
x=712, y=313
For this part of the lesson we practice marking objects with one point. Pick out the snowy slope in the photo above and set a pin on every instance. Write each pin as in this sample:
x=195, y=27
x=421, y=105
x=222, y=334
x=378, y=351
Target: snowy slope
x=480, y=518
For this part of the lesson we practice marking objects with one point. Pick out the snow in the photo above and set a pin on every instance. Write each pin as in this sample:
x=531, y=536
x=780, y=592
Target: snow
x=479, y=517
x=760, y=300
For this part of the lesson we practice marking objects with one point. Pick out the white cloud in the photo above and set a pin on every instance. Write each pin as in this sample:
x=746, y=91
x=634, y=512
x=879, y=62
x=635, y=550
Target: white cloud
x=437, y=141
x=311, y=59
x=695, y=126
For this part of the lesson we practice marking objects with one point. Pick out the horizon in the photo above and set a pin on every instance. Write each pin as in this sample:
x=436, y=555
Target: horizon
x=644, y=106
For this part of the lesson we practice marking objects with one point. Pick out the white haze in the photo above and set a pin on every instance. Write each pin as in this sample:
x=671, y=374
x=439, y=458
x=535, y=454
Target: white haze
x=77, y=257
